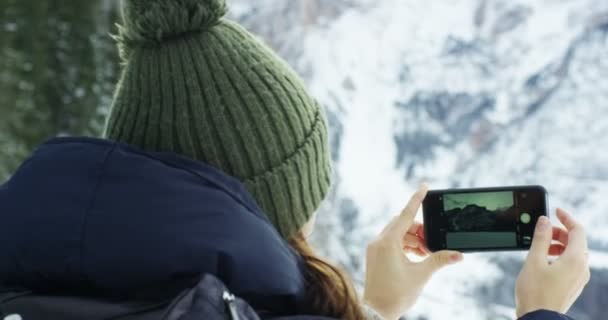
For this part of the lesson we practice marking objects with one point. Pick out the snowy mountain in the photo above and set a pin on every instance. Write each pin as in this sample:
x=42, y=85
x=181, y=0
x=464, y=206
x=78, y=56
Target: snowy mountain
x=458, y=93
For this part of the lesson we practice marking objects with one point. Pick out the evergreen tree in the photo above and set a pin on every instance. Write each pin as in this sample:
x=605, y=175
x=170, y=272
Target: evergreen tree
x=58, y=66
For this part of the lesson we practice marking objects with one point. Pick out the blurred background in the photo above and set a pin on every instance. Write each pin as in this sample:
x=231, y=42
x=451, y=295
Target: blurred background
x=457, y=93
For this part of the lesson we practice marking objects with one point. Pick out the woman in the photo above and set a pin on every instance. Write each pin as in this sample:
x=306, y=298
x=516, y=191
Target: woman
x=232, y=145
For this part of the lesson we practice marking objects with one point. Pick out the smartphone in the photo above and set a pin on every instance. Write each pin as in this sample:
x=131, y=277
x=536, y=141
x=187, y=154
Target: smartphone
x=483, y=219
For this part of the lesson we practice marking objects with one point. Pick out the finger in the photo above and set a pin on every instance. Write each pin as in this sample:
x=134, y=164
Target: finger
x=404, y=221
x=421, y=235
x=541, y=242
x=556, y=250
x=413, y=241
x=577, y=238
x=566, y=219
x=423, y=253
x=417, y=251
x=440, y=259
x=417, y=229
x=416, y=244
x=409, y=212
x=561, y=235
x=426, y=250
x=388, y=227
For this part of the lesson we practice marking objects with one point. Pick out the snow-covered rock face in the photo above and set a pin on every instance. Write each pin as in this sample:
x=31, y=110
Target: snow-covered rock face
x=457, y=93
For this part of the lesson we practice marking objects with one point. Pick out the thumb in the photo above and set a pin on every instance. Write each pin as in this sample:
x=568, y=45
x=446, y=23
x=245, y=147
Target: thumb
x=439, y=259
x=541, y=241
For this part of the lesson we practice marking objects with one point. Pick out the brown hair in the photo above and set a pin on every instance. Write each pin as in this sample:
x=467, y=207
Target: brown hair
x=330, y=291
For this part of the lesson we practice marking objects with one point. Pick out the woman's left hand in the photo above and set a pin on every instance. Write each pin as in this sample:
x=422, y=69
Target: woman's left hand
x=392, y=281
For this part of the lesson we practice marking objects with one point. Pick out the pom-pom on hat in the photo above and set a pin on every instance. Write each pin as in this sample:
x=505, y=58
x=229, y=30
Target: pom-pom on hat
x=153, y=21
x=197, y=84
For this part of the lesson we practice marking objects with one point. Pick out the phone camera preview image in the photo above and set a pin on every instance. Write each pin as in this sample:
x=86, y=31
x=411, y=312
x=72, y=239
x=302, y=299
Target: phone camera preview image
x=483, y=219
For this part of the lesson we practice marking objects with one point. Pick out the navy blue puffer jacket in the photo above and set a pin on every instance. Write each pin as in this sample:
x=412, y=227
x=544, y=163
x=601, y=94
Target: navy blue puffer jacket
x=89, y=215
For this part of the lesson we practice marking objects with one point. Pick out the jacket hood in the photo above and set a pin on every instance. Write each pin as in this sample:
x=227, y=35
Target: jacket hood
x=95, y=215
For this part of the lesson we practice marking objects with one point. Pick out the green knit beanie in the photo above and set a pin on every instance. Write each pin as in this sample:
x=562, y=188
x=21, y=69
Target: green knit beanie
x=202, y=86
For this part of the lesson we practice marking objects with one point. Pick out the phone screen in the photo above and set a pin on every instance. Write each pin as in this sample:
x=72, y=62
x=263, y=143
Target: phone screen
x=482, y=219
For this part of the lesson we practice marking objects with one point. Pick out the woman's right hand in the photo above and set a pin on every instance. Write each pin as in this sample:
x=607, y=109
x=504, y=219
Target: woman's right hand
x=392, y=281
x=553, y=285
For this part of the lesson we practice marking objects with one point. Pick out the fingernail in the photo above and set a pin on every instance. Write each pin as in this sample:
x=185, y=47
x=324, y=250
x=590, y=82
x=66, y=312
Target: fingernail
x=542, y=224
x=456, y=257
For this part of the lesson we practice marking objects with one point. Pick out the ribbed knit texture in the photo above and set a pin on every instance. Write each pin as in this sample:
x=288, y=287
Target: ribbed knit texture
x=219, y=95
